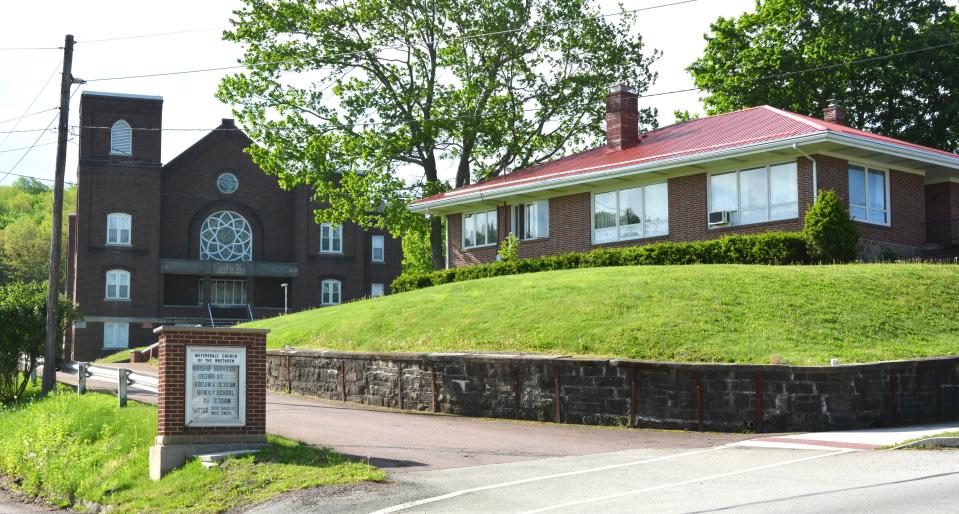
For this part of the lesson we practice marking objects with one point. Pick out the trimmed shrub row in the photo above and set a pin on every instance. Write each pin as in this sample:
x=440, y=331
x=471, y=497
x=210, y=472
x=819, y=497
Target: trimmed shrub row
x=767, y=248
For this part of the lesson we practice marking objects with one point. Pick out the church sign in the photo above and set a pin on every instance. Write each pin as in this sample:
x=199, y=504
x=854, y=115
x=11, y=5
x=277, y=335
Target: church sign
x=215, y=386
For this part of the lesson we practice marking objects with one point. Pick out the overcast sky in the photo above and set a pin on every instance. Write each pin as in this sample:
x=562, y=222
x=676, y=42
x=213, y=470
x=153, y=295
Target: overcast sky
x=188, y=99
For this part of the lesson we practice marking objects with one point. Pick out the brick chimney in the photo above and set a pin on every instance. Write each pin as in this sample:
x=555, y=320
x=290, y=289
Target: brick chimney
x=834, y=113
x=622, y=117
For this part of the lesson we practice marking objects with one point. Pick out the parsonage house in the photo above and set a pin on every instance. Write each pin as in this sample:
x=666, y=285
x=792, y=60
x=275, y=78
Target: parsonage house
x=205, y=239
x=742, y=172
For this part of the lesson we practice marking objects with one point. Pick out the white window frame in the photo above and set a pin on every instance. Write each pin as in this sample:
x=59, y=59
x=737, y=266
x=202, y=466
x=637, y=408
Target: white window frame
x=116, y=336
x=734, y=220
x=327, y=292
x=120, y=278
x=381, y=247
x=473, y=214
x=327, y=239
x=377, y=290
x=123, y=223
x=592, y=215
x=541, y=232
x=124, y=146
x=888, y=199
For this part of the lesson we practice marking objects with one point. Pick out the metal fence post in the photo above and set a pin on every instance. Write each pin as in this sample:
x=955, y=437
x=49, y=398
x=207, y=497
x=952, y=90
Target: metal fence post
x=122, y=380
x=82, y=377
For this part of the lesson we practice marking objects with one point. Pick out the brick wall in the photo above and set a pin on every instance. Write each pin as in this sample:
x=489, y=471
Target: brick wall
x=942, y=213
x=570, y=217
x=718, y=397
x=171, y=399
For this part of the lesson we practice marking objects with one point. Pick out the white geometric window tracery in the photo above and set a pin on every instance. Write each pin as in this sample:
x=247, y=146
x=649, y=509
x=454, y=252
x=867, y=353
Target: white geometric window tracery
x=226, y=236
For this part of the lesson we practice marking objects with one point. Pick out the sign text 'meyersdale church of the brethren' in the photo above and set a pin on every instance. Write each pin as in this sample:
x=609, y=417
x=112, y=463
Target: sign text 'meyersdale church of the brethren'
x=205, y=239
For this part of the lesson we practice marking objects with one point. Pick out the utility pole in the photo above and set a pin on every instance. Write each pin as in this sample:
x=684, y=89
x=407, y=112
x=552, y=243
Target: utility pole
x=53, y=289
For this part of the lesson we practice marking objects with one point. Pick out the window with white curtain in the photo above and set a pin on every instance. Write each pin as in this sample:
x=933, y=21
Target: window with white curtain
x=121, y=138
x=868, y=195
x=116, y=335
x=330, y=292
x=531, y=220
x=331, y=238
x=118, y=285
x=378, y=249
x=377, y=290
x=755, y=195
x=631, y=213
x=118, y=228
x=479, y=229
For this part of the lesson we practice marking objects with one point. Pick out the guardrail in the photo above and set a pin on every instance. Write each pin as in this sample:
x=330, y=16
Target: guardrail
x=122, y=377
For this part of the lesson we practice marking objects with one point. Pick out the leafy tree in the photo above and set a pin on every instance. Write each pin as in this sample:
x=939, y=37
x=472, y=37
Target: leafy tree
x=351, y=97
x=25, y=230
x=830, y=234
x=684, y=115
x=23, y=319
x=914, y=96
x=417, y=255
x=509, y=248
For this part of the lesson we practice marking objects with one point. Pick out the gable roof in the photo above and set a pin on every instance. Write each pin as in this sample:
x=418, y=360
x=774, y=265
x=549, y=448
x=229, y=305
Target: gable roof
x=226, y=128
x=743, y=131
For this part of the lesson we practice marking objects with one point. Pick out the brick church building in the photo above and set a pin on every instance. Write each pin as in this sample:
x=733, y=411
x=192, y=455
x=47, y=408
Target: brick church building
x=205, y=239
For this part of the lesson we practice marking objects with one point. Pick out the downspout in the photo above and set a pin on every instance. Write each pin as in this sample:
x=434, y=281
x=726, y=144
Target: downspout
x=815, y=191
x=446, y=240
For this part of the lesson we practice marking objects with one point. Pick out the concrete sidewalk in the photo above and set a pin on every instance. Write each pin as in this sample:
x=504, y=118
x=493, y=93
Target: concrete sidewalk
x=869, y=439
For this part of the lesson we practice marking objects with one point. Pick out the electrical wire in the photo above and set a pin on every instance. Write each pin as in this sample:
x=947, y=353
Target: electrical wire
x=359, y=52
x=142, y=36
x=28, y=115
x=25, y=111
x=67, y=182
x=31, y=147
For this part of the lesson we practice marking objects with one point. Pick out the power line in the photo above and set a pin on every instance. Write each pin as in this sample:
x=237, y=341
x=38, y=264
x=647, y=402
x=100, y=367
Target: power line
x=19, y=48
x=155, y=34
x=27, y=147
x=25, y=111
x=28, y=115
x=40, y=178
x=31, y=147
x=359, y=52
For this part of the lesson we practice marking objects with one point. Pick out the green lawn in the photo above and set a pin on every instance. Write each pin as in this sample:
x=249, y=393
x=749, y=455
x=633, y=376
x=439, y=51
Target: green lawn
x=69, y=449
x=118, y=357
x=708, y=313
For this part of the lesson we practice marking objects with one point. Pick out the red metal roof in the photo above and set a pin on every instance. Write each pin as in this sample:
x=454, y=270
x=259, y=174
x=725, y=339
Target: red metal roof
x=724, y=131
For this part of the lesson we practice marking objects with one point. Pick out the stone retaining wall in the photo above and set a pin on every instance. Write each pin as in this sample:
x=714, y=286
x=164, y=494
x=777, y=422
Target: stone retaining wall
x=718, y=397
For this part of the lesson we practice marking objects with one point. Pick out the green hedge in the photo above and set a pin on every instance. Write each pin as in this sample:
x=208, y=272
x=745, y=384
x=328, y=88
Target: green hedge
x=767, y=248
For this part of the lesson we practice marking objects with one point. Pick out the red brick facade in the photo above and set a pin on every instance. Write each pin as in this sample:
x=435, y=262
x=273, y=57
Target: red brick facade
x=168, y=205
x=171, y=399
x=570, y=216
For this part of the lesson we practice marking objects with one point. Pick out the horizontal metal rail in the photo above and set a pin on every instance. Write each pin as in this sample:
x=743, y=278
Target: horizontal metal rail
x=143, y=381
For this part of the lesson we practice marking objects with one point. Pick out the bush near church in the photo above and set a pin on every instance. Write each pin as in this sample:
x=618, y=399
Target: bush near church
x=767, y=248
x=23, y=320
x=831, y=235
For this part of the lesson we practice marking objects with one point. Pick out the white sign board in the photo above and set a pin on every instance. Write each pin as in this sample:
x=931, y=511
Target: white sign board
x=215, y=386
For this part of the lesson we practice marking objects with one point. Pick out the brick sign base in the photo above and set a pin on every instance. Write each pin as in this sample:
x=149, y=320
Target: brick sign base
x=176, y=441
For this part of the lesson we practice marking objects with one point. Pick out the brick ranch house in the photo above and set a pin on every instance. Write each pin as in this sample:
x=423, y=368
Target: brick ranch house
x=205, y=239
x=747, y=171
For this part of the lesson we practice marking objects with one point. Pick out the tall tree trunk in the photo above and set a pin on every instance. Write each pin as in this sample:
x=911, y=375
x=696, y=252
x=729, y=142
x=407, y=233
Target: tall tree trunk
x=437, y=242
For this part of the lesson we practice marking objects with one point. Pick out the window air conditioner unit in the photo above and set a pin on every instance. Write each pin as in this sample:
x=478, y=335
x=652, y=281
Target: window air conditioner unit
x=718, y=218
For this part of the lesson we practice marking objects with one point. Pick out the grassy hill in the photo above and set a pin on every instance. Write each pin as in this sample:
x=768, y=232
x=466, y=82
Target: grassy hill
x=706, y=313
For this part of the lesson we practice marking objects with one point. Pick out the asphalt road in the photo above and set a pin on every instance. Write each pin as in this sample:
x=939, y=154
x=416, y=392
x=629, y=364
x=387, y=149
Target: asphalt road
x=736, y=479
x=452, y=464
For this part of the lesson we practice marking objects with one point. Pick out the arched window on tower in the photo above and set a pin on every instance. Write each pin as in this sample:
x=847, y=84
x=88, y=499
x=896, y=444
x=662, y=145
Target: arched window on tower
x=226, y=236
x=121, y=138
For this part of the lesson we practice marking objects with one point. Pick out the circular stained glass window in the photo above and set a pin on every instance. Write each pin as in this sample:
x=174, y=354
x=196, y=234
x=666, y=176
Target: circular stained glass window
x=227, y=183
x=226, y=236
